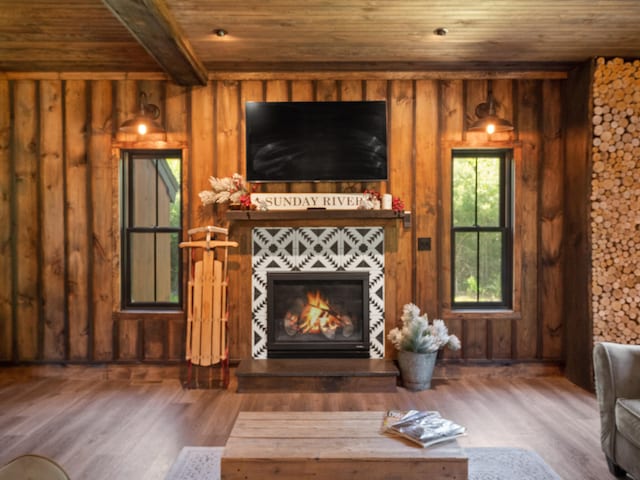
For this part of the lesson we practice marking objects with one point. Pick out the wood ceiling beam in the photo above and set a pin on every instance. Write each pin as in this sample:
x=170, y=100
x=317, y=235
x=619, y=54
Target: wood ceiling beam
x=153, y=26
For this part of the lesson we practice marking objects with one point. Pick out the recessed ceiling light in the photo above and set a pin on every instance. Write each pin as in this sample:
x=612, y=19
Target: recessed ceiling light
x=220, y=32
x=441, y=31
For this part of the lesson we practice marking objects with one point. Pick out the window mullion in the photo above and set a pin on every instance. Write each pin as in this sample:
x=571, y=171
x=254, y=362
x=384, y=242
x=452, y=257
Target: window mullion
x=478, y=265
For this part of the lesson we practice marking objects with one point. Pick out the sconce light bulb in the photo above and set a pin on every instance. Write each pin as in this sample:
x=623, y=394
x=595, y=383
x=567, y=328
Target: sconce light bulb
x=491, y=128
x=142, y=128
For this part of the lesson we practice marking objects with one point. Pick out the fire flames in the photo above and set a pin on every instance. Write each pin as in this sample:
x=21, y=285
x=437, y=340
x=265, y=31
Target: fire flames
x=317, y=316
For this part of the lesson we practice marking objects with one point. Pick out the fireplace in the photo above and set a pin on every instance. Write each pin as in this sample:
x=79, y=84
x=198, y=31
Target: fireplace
x=304, y=252
x=318, y=314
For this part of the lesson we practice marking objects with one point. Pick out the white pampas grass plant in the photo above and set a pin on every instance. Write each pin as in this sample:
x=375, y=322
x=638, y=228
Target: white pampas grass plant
x=417, y=335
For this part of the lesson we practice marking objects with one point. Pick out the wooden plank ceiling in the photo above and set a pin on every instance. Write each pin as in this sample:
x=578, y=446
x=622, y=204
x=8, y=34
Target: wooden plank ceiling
x=178, y=36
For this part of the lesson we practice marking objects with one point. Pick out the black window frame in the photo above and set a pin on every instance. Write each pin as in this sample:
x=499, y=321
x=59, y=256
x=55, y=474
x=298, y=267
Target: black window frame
x=128, y=156
x=505, y=227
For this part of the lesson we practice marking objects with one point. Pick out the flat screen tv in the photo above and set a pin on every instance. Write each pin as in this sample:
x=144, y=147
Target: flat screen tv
x=316, y=141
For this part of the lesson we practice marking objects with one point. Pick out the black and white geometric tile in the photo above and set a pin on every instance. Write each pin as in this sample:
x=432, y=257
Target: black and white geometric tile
x=318, y=249
x=273, y=249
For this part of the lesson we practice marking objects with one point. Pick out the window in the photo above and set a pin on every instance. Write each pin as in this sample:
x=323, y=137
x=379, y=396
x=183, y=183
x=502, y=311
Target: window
x=151, y=229
x=481, y=229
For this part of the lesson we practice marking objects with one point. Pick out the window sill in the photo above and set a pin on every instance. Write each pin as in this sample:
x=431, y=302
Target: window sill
x=470, y=314
x=134, y=314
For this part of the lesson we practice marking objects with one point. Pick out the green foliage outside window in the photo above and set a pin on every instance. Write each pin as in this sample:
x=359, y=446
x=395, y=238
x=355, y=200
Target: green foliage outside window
x=480, y=228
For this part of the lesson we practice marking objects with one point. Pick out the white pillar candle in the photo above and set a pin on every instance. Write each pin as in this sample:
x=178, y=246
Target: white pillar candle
x=387, y=201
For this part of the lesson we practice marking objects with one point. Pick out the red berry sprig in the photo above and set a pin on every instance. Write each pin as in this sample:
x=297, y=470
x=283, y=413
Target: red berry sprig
x=245, y=201
x=397, y=205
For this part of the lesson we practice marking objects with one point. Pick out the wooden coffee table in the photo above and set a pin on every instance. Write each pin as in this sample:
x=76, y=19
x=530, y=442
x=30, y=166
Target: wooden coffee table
x=332, y=446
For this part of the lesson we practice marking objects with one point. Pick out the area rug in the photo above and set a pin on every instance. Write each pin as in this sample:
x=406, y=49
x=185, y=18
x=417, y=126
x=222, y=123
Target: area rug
x=508, y=464
x=196, y=463
x=203, y=463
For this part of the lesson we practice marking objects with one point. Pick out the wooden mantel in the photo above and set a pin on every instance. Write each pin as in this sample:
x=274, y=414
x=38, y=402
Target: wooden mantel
x=312, y=214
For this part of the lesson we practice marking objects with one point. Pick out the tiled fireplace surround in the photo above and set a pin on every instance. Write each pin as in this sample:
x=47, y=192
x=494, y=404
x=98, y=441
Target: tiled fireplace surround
x=317, y=249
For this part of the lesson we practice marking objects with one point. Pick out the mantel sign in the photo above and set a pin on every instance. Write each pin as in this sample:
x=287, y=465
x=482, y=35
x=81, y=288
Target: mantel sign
x=308, y=201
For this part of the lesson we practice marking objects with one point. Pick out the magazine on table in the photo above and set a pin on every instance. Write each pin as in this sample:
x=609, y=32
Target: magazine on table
x=423, y=427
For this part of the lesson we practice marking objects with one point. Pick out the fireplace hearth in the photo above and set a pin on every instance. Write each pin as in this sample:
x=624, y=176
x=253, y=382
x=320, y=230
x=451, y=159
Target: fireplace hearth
x=318, y=315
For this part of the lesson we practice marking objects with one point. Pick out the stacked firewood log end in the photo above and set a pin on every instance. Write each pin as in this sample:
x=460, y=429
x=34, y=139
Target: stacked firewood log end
x=615, y=201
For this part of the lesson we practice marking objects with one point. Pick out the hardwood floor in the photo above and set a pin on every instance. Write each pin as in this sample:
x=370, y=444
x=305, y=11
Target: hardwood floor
x=103, y=425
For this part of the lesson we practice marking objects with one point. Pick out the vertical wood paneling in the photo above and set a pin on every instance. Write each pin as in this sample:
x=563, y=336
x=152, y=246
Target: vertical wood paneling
x=78, y=253
x=350, y=90
x=176, y=114
x=503, y=95
x=155, y=92
x=402, y=165
x=451, y=129
x=552, y=220
x=176, y=340
x=326, y=91
x=426, y=118
x=499, y=338
x=577, y=307
x=101, y=219
x=227, y=128
x=127, y=105
x=427, y=179
x=52, y=219
x=527, y=225
x=475, y=92
x=475, y=338
x=129, y=339
x=6, y=293
x=302, y=91
x=202, y=164
x=227, y=137
x=154, y=338
x=27, y=230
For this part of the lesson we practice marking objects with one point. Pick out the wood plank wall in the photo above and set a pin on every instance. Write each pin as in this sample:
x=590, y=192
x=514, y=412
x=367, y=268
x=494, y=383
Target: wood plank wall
x=59, y=258
x=578, y=315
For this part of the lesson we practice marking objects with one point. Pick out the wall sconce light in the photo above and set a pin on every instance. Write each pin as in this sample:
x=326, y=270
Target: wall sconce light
x=145, y=120
x=488, y=121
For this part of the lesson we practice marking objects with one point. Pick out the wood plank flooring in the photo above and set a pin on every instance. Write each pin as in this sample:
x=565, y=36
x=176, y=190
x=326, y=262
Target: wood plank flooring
x=104, y=426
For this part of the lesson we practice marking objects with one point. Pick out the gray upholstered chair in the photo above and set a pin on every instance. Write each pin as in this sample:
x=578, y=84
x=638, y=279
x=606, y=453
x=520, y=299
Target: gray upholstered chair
x=617, y=375
x=27, y=467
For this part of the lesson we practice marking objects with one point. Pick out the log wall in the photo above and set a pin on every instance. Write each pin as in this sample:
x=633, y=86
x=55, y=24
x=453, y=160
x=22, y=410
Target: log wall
x=59, y=259
x=615, y=201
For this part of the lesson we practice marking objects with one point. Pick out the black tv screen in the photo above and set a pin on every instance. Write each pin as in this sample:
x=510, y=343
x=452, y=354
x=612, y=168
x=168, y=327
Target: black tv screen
x=316, y=141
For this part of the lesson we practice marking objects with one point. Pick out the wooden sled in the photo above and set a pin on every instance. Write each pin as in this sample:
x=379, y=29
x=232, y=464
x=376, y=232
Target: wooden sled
x=207, y=312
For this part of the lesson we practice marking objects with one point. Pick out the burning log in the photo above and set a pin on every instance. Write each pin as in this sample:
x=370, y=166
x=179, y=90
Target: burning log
x=315, y=317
